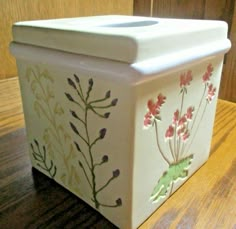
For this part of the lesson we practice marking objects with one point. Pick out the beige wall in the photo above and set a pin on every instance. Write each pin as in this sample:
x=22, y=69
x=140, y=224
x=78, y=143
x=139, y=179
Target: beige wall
x=19, y=10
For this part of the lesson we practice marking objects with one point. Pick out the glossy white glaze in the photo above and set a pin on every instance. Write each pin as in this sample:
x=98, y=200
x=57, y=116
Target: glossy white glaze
x=124, y=38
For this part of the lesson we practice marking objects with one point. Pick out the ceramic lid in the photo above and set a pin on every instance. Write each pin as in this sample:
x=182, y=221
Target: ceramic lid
x=128, y=39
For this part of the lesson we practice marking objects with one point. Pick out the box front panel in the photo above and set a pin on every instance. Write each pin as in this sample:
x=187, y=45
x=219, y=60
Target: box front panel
x=79, y=131
x=173, y=129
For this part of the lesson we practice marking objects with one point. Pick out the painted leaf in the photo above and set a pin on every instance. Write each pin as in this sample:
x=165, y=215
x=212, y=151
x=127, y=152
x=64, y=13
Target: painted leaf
x=58, y=109
x=40, y=156
x=33, y=86
x=175, y=172
x=50, y=93
x=38, y=96
x=46, y=75
x=39, y=109
x=46, y=136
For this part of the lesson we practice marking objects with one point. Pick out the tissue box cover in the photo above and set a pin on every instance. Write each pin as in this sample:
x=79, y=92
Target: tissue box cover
x=119, y=109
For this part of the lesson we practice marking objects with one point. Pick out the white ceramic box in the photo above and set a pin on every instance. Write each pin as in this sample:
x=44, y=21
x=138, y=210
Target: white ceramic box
x=120, y=109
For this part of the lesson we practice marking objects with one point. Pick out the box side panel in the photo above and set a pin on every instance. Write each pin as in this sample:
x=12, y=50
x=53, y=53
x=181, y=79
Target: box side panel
x=173, y=129
x=79, y=129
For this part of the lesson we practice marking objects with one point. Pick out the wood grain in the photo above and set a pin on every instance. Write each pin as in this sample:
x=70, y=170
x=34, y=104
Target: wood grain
x=178, y=9
x=203, y=9
x=12, y=11
x=31, y=200
x=143, y=7
x=11, y=113
x=220, y=10
x=228, y=82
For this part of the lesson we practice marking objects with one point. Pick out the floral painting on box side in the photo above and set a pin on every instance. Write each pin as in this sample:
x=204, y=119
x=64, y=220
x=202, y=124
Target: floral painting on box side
x=180, y=133
x=57, y=140
x=88, y=162
x=59, y=144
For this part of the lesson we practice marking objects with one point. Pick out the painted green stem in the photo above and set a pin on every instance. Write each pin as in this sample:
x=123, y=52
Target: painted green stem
x=199, y=106
x=196, y=130
x=158, y=144
x=41, y=158
x=91, y=165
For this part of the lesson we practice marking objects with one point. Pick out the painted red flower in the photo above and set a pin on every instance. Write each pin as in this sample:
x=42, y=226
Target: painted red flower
x=185, y=79
x=185, y=135
x=176, y=117
x=160, y=100
x=181, y=130
x=152, y=107
x=169, y=132
x=210, y=68
x=180, y=124
x=147, y=120
x=182, y=121
x=153, y=110
x=189, y=114
x=207, y=75
x=211, y=93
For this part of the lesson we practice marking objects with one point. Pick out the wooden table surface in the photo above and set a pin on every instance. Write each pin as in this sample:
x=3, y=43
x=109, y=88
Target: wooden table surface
x=29, y=199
